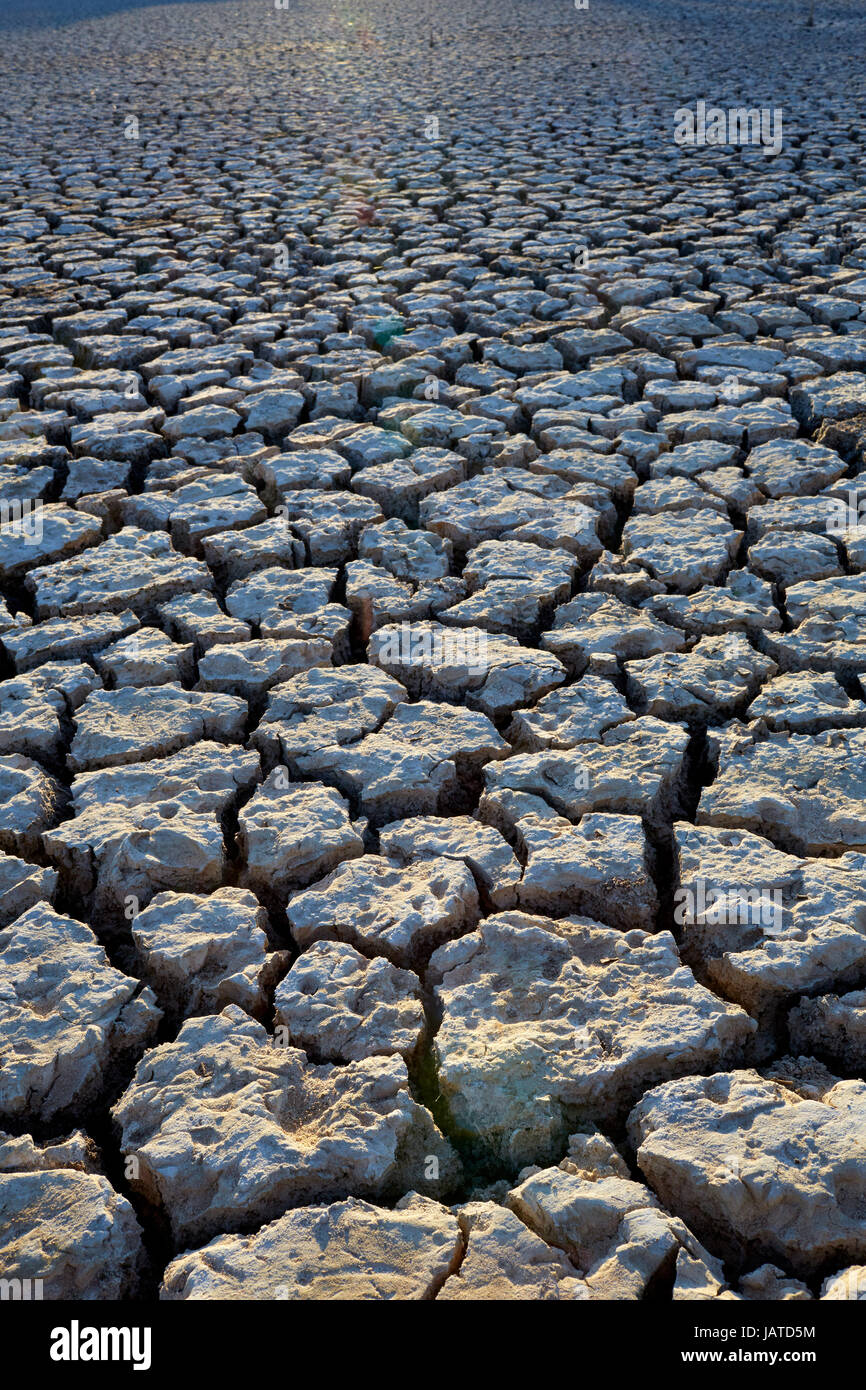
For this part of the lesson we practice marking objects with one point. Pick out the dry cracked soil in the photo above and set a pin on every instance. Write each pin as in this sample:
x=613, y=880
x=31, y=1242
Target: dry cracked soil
x=432, y=601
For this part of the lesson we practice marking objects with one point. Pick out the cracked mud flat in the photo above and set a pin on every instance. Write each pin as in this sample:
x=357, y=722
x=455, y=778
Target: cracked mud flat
x=430, y=566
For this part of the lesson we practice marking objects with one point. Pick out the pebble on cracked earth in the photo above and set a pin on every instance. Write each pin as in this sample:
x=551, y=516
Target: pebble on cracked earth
x=433, y=616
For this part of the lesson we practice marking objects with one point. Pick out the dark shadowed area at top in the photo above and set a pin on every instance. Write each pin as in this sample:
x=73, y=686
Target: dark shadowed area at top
x=16, y=14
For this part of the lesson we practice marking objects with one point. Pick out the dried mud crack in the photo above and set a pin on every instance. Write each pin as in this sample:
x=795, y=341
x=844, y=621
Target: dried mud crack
x=432, y=633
